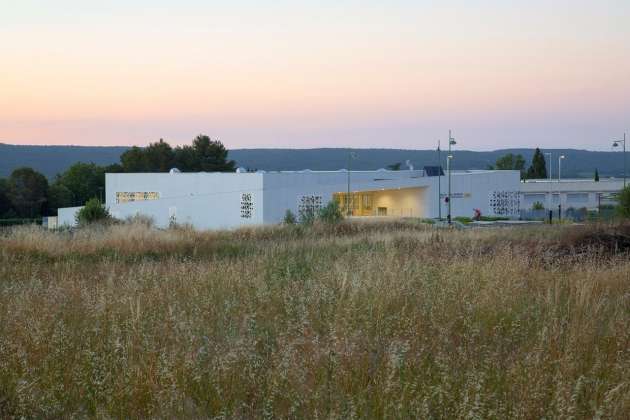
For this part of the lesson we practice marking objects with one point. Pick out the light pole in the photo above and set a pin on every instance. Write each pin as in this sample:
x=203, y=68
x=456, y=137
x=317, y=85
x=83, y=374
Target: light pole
x=451, y=142
x=560, y=158
x=616, y=144
x=351, y=156
x=549, y=176
x=439, y=182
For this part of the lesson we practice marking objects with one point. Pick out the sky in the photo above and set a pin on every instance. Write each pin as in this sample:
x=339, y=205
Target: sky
x=303, y=74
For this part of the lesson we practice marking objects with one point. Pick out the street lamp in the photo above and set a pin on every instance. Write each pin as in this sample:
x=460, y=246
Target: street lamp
x=616, y=144
x=451, y=142
x=560, y=167
x=549, y=176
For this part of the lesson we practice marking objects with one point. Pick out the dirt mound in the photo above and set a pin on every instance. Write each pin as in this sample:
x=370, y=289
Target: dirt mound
x=606, y=239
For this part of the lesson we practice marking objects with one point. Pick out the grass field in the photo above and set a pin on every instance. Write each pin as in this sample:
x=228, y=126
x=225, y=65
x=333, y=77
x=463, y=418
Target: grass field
x=362, y=320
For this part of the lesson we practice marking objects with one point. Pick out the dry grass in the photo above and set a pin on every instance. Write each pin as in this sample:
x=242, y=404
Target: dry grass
x=358, y=320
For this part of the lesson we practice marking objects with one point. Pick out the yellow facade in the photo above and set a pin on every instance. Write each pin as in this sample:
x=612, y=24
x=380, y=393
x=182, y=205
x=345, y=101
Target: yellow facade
x=403, y=202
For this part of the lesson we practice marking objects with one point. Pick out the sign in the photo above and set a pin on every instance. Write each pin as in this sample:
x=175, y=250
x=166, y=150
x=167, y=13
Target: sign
x=456, y=195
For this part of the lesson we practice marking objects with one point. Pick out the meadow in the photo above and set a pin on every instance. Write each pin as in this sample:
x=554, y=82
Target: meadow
x=355, y=320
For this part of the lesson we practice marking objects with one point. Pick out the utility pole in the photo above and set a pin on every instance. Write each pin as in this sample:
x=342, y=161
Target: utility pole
x=451, y=142
x=439, y=182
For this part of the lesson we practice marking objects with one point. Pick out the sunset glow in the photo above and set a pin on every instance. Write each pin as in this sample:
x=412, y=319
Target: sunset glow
x=349, y=73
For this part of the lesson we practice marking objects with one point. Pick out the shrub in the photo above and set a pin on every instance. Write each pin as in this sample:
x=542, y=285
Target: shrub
x=623, y=208
x=94, y=211
x=289, y=218
x=538, y=206
x=307, y=215
x=331, y=213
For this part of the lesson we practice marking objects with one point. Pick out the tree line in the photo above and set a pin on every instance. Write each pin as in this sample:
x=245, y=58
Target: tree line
x=28, y=194
x=537, y=169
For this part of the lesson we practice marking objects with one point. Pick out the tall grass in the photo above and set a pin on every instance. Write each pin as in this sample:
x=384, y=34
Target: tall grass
x=355, y=320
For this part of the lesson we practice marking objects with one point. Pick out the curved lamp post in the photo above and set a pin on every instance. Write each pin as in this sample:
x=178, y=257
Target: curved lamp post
x=451, y=142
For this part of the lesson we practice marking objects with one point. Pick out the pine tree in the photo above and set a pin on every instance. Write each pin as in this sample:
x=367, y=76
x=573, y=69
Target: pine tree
x=538, y=168
x=596, y=175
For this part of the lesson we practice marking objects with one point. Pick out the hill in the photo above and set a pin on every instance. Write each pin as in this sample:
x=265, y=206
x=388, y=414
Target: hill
x=51, y=160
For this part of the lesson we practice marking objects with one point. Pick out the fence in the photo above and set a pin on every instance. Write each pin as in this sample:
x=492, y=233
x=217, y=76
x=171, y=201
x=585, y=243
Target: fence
x=573, y=214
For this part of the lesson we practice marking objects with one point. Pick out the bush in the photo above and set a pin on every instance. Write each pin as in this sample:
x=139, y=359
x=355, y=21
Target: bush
x=623, y=208
x=538, y=206
x=307, y=215
x=93, y=212
x=331, y=213
x=289, y=218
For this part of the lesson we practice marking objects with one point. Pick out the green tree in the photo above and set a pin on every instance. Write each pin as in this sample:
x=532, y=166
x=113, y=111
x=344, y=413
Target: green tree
x=538, y=168
x=84, y=180
x=511, y=162
x=27, y=191
x=186, y=160
x=133, y=160
x=59, y=196
x=204, y=155
x=93, y=212
x=596, y=177
x=394, y=166
x=6, y=210
x=158, y=157
x=212, y=155
x=623, y=206
x=114, y=168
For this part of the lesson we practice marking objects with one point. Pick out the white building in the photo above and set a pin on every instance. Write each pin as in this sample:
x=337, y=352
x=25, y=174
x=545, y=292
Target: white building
x=230, y=200
x=570, y=193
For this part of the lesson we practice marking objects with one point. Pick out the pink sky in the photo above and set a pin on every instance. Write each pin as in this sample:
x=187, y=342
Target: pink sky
x=360, y=74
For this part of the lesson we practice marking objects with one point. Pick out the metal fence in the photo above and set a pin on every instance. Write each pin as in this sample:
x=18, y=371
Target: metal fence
x=573, y=214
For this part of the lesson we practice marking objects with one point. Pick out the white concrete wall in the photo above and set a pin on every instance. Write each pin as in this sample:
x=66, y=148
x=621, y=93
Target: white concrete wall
x=204, y=200
x=569, y=193
x=283, y=189
x=470, y=190
x=66, y=216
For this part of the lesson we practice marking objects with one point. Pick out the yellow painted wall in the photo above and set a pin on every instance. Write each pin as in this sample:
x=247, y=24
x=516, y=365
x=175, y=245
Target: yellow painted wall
x=407, y=202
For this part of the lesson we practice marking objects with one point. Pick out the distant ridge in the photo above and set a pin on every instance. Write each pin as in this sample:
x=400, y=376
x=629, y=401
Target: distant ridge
x=51, y=160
